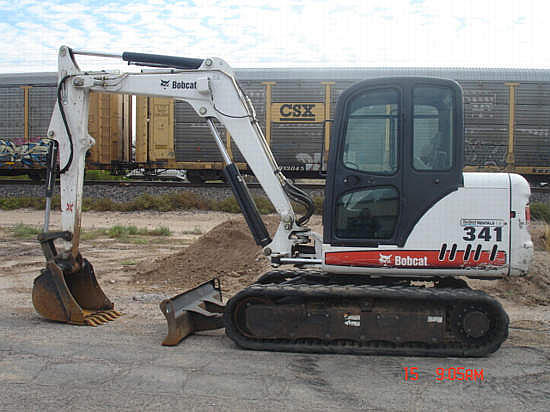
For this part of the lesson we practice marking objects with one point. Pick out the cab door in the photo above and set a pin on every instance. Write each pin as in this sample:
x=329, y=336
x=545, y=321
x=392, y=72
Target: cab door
x=397, y=151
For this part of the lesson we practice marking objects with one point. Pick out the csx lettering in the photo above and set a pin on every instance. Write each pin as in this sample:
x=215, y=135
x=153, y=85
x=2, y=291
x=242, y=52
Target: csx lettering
x=297, y=110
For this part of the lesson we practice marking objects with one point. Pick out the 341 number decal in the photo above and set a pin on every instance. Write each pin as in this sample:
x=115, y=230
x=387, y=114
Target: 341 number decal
x=483, y=233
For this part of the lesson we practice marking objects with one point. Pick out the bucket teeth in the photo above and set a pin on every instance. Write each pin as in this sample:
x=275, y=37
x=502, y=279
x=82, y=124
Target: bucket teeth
x=99, y=318
x=91, y=322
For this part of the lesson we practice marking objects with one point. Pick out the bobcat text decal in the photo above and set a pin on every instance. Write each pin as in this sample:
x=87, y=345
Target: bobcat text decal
x=165, y=84
x=386, y=260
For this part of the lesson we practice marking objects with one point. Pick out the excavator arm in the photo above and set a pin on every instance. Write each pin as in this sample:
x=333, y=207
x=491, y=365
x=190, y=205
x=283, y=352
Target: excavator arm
x=209, y=86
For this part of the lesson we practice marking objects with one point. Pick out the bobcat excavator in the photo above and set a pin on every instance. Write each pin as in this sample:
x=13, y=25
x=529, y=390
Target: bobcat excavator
x=402, y=223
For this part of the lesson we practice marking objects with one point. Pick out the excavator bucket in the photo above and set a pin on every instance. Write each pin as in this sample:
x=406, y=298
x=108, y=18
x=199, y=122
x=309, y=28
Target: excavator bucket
x=198, y=309
x=71, y=297
x=67, y=289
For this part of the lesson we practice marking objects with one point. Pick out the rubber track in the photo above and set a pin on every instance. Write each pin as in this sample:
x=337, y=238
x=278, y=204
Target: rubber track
x=451, y=297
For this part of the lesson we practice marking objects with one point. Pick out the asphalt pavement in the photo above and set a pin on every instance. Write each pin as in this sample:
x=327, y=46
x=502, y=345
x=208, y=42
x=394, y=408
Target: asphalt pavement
x=122, y=366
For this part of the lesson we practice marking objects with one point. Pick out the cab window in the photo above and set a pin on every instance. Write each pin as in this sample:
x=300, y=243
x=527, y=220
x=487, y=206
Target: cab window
x=432, y=128
x=370, y=140
x=367, y=213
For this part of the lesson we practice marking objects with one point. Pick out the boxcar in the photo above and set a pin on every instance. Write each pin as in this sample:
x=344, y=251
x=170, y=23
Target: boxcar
x=507, y=120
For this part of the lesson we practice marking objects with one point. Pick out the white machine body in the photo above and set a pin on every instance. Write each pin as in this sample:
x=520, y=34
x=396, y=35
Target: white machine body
x=478, y=230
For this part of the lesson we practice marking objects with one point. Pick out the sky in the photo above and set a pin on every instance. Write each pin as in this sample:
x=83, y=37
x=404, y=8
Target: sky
x=281, y=33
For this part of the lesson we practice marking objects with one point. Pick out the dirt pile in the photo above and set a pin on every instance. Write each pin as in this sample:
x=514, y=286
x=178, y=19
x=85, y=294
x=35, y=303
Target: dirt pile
x=228, y=252
x=540, y=235
x=533, y=289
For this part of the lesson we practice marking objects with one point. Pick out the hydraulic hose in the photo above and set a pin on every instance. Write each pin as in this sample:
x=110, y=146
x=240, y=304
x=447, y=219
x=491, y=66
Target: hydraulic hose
x=299, y=196
x=62, y=110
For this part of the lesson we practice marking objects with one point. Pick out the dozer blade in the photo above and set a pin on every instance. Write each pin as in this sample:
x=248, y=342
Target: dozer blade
x=74, y=297
x=198, y=309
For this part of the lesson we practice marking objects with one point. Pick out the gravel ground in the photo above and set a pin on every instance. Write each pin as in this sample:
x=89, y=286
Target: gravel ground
x=540, y=197
x=124, y=193
x=122, y=366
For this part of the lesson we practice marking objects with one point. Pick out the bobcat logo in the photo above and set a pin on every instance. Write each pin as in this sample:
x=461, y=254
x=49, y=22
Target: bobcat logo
x=385, y=260
x=164, y=83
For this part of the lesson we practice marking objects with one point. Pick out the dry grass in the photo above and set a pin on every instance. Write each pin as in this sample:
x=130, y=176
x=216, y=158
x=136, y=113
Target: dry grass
x=540, y=234
x=162, y=203
x=547, y=238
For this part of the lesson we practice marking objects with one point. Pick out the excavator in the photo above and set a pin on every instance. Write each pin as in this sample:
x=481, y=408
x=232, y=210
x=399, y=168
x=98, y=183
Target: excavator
x=402, y=224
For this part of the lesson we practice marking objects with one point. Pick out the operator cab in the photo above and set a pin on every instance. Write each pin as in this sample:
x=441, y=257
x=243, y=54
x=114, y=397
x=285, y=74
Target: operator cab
x=397, y=150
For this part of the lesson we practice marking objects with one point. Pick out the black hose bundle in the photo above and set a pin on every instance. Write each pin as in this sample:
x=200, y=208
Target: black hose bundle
x=62, y=110
x=298, y=195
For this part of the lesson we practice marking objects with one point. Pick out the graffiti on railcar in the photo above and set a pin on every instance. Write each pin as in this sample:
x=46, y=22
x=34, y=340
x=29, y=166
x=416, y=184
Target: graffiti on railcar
x=479, y=97
x=23, y=155
x=478, y=152
x=306, y=162
x=479, y=104
x=534, y=131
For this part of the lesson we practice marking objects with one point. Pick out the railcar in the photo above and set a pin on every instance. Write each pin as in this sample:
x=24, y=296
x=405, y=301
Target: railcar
x=507, y=122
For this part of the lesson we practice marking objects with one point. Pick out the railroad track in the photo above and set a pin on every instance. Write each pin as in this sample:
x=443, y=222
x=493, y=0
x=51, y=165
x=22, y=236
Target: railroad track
x=129, y=183
x=149, y=183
